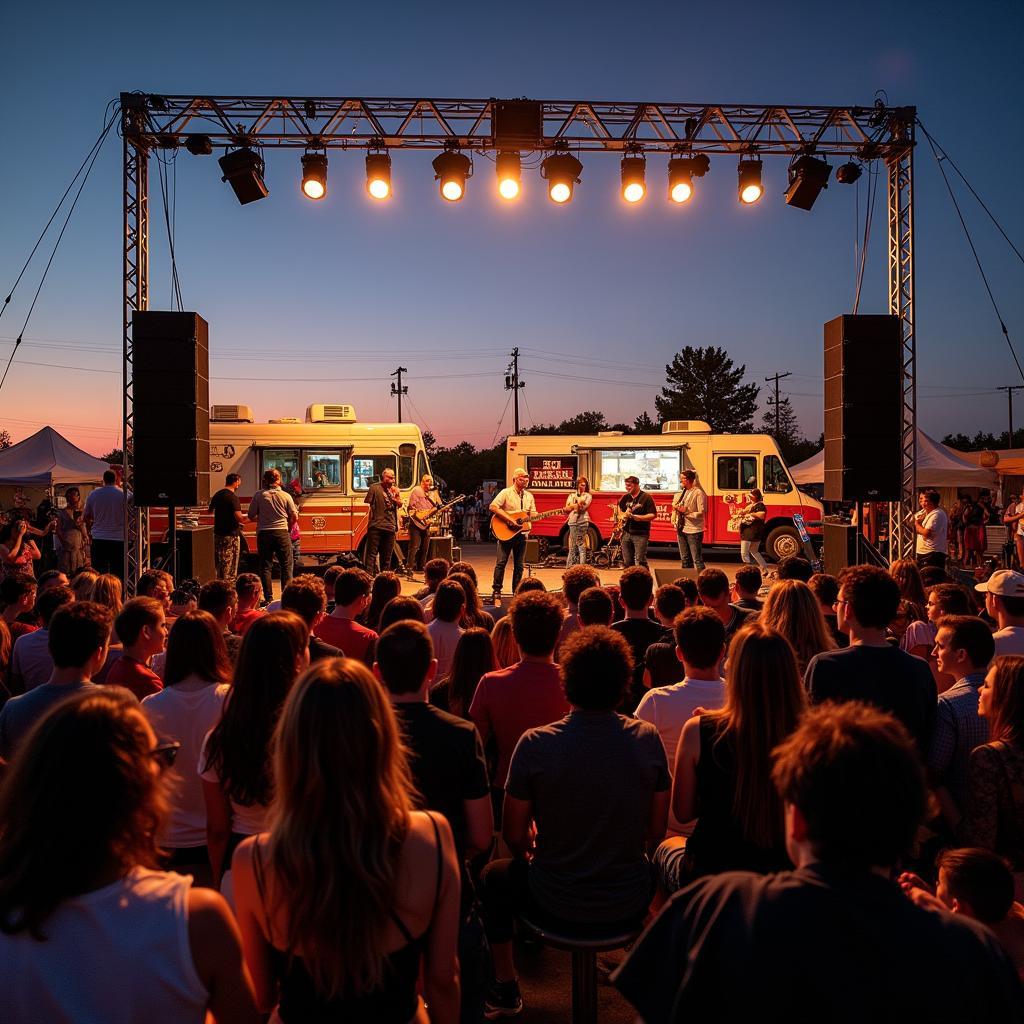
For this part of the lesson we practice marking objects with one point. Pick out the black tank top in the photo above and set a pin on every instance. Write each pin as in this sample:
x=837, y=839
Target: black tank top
x=393, y=1002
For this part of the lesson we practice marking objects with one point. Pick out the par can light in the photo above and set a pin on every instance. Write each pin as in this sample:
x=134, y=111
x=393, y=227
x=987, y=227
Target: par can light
x=314, y=175
x=452, y=169
x=750, y=187
x=634, y=172
x=378, y=175
x=510, y=175
x=562, y=171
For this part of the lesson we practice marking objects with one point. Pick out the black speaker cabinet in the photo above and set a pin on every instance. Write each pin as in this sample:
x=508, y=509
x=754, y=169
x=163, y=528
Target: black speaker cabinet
x=669, y=574
x=840, y=546
x=863, y=408
x=171, y=402
x=195, y=554
x=440, y=547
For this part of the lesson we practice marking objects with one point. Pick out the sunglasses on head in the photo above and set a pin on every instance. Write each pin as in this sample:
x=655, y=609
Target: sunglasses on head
x=165, y=754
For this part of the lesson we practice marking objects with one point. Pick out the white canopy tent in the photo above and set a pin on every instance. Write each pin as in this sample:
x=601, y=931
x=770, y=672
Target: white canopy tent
x=48, y=460
x=937, y=466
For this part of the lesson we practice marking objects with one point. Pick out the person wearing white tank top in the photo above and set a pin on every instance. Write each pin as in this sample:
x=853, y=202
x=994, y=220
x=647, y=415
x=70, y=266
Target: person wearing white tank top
x=90, y=932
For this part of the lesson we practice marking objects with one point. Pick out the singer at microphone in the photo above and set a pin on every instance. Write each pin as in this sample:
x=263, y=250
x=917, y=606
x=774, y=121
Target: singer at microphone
x=384, y=500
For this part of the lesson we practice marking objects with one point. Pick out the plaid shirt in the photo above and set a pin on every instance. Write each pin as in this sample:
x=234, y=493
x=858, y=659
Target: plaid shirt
x=958, y=730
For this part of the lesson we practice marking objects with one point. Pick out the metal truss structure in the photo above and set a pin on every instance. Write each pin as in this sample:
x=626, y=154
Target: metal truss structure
x=320, y=123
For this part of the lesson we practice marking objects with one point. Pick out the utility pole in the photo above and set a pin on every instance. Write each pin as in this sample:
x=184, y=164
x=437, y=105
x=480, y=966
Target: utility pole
x=777, y=377
x=513, y=384
x=1009, y=401
x=397, y=390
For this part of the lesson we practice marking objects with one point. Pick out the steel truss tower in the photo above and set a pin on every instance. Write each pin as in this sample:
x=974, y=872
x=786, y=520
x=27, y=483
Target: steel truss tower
x=320, y=123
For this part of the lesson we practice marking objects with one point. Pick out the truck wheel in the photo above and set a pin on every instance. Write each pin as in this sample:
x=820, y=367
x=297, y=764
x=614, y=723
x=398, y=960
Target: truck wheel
x=783, y=542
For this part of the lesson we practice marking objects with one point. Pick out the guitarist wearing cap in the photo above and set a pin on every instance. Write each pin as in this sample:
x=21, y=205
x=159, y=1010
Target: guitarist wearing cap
x=512, y=499
x=420, y=500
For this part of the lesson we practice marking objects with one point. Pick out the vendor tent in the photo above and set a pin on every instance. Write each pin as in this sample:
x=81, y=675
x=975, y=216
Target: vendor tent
x=48, y=460
x=937, y=466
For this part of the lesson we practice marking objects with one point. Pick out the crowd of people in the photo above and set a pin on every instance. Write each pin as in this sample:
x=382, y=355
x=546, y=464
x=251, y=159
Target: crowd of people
x=801, y=797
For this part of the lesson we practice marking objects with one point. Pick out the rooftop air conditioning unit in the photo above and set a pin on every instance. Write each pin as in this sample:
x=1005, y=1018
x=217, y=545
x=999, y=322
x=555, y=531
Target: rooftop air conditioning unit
x=685, y=427
x=331, y=414
x=231, y=414
x=286, y=419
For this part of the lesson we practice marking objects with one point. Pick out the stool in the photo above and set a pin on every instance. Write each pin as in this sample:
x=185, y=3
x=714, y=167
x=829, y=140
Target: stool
x=584, y=943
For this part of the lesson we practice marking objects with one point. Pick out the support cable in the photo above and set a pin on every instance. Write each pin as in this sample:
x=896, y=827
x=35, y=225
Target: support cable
x=974, y=251
x=869, y=213
x=501, y=419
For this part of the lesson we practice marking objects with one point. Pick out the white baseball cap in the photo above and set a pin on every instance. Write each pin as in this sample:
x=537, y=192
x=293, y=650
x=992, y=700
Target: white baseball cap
x=1005, y=583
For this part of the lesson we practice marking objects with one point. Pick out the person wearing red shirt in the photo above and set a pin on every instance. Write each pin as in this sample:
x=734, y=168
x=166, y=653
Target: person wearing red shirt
x=18, y=594
x=527, y=694
x=249, y=591
x=142, y=630
x=340, y=629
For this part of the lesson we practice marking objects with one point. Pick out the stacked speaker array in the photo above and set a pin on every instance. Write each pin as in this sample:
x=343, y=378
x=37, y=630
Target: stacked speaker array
x=171, y=402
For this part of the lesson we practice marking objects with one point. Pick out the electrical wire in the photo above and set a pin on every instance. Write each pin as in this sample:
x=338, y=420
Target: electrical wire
x=501, y=419
x=526, y=402
x=974, y=252
x=869, y=213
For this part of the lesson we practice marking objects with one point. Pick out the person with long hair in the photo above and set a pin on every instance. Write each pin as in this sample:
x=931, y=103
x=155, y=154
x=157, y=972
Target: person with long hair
x=90, y=930
x=18, y=552
x=506, y=650
x=906, y=573
x=235, y=761
x=473, y=659
x=792, y=610
x=994, y=810
x=107, y=591
x=474, y=614
x=722, y=772
x=349, y=889
x=83, y=583
x=578, y=507
x=386, y=585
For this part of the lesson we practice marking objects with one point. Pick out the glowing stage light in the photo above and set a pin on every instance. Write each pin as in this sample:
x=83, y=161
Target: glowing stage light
x=378, y=175
x=562, y=171
x=452, y=169
x=510, y=175
x=634, y=186
x=681, y=172
x=314, y=175
x=750, y=187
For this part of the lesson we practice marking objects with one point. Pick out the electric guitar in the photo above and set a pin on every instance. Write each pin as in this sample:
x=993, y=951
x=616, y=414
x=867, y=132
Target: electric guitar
x=422, y=516
x=503, y=531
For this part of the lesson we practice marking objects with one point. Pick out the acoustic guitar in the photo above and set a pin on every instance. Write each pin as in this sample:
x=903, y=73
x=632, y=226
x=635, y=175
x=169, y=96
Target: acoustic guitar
x=503, y=531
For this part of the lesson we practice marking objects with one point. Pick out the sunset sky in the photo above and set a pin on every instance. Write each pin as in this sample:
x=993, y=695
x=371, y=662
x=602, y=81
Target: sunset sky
x=312, y=302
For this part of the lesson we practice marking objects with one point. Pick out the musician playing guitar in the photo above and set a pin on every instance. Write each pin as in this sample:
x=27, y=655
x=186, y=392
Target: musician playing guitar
x=638, y=510
x=384, y=500
x=512, y=499
x=420, y=500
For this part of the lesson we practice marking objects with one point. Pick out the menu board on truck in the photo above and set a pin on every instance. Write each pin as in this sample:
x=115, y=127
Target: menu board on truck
x=552, y=473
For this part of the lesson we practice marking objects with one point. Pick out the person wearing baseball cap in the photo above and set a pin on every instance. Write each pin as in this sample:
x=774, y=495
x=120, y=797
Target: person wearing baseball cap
x=1004, y=601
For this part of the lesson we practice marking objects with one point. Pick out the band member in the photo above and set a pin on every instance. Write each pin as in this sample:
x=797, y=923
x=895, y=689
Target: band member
x=579, y=522
x=512, y=499
x=689, y=506
x=384, y=501
x=638, y=510
x=420, y=500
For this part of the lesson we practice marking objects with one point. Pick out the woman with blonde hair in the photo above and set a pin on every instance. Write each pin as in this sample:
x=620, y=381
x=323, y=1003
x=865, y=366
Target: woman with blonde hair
x=84, y=583
x=906, y=573
x=722, y=772
x=792, y=610
x=90, y=930
x=350, y=889
x=506, y=650
x=107, y=590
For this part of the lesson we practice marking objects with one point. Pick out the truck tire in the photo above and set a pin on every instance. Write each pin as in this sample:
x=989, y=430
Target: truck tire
x=783, y=542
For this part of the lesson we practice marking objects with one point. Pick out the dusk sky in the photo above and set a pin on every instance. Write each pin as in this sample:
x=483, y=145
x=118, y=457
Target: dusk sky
x=313, y=302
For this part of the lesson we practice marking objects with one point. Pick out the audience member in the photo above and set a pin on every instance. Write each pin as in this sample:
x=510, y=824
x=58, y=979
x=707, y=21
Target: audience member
x=386, y=585
x=792, y=610
x=512, y=700
x=721, y=775
x=994, y=811
x=506, y=650
x=219, y=598
x=825, y=588
x=18, y=552
x=587, y=800
x=964, y=649
x=248, y=591
x=70, y=536
x=793, y=567
x=596, y=607
x=31, y=661
x=919, y=639
x=689, y=589
x=433, y=572
x=50, y=579
x=713, y=587
x=907, y=574
x=182, y=601
x=575, y=580
x=235, y=761
x=401, y=609
x=871, y=669
x=18, y=594
x=92, y=932
x=746, y=586
x=196, y=678
x=636, y=591
x=932, y=576
x=142, y=629
x=669, y=604
x=528, y=584
x=156, y=584
x=473, y=659
x=340, y=629
x=444, y=628
x=82, y=583
x=331, y=574
x=350, y=890
x=473, y=614
x=306, y=597
x=1004, y=602
x=77, y=636
x=834, y=940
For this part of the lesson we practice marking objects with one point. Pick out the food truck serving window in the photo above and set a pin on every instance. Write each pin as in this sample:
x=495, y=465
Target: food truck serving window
x=406, y=465
x=657, y=469
x=321, y=470
x=285, y=461
x=366, y=469
x=776, y=479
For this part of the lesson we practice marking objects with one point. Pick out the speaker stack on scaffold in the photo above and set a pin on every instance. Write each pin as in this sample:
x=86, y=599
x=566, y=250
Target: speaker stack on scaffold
x=171, y=403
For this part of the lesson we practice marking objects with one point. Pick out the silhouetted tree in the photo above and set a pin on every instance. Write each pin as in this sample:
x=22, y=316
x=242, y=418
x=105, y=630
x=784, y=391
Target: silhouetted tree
x=704, y=384
x=643, y=424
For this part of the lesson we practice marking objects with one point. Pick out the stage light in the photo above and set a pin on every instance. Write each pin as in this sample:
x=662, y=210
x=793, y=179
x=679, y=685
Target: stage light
x=807, y=177
x=750, y=187
x=848, y=173
x=510, y=175
x=633, y=178
x=199, y=145
x=314, y=175
x=243, y=171
x=562, y=171
x=378, y=175
x=452, y=169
